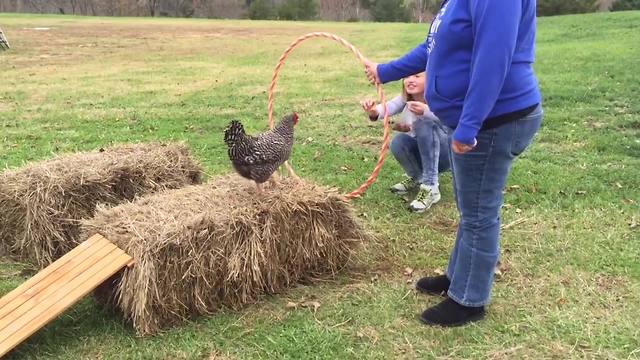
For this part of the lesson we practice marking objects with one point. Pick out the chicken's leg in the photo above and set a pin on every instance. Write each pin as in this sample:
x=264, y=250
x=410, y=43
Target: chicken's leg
x=291, y=172
x=259, y=188
x=273, y=180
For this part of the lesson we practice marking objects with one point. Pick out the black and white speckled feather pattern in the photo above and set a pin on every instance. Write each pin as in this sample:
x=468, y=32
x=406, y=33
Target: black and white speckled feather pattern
x=258, y=157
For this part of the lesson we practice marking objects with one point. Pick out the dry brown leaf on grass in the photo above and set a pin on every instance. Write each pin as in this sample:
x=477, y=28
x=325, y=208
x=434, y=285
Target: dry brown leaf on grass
x=216, y=355
x=291, y=305
x=309, y=304
x=513, y=223
x=369, y=333
x=315, y=305
x=407, y=271
x=501, y=268
x=561, y=301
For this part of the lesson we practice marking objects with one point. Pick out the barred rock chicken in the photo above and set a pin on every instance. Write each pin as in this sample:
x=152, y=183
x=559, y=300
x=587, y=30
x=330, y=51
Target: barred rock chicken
x=258, y=157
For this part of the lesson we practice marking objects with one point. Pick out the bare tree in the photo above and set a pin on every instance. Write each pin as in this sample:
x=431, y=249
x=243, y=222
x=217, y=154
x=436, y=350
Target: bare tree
x=7, y=6
x=604, y=5
x=185, y=8
x=152, y=6
x=33, y=4
x=339, y=10
x=231, y=9
x=423, y=10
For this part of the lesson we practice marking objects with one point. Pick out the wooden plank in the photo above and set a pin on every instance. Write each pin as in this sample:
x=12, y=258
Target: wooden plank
x=61, y=271
x=51, y=268
x=71, y=293
x=23, y=294
x=36, y=306
x=39, y=290
x=43, y=290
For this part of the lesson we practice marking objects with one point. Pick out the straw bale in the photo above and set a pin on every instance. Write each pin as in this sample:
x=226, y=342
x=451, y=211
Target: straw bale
x=42, y=202
x=221, y=244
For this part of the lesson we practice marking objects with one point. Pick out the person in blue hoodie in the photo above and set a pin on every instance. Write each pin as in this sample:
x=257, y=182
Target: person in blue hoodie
x=481, y=85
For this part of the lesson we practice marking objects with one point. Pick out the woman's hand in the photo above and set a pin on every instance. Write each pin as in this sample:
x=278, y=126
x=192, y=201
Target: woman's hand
x=369, y=106
x=371, y=70
x=417, y=107
x=460, y=148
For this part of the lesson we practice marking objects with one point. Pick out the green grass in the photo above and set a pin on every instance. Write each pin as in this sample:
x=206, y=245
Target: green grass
x=571, y=287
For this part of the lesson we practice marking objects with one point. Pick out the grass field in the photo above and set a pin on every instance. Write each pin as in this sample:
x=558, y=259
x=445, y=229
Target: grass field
x=571, y=274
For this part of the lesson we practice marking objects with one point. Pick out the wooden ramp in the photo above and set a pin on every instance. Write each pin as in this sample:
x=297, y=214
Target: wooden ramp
x=54, y=289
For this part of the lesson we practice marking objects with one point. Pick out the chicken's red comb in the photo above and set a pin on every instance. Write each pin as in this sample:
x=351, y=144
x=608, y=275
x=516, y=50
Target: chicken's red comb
x=295, y=118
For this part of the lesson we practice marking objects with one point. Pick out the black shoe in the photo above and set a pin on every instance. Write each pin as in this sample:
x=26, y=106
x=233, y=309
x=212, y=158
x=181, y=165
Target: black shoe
x=449, y=313
x=434, y=285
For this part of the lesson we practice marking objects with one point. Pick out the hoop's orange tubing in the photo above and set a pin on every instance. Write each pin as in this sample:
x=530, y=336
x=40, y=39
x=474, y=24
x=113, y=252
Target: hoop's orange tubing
x=385, y=138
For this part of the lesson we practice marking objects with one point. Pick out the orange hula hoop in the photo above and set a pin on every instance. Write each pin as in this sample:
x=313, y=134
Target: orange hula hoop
x=385, y=139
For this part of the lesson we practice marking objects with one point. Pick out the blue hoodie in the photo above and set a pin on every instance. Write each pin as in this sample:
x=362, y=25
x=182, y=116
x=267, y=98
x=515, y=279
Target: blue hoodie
x=478, y=57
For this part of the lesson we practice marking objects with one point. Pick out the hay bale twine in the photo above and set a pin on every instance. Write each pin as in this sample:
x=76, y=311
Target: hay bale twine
x=41, y=203
x=203, y=247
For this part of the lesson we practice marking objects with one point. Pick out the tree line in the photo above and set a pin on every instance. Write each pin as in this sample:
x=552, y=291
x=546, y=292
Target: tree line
x=336, y=10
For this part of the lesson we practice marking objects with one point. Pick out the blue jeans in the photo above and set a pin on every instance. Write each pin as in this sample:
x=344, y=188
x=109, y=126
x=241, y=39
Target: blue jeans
x=479, y=177
x=424, y=156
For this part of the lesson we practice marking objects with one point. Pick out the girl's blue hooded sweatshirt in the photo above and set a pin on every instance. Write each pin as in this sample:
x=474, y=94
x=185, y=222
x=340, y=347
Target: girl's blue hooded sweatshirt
x=478, y=58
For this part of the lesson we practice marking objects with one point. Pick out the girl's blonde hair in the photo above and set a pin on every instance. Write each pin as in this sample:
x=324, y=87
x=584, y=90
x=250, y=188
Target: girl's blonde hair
x=407, y=97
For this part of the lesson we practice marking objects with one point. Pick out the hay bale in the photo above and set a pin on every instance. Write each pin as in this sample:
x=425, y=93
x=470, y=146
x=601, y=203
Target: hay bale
x=220, y=244
x=41, y=203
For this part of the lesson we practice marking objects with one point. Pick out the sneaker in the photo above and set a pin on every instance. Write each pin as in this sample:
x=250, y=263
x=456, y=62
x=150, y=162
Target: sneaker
x=404, y=186
x=427, y=196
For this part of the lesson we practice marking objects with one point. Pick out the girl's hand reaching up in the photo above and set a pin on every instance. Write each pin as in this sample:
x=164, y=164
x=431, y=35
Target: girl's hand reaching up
x=369, y=106
x=417, y=107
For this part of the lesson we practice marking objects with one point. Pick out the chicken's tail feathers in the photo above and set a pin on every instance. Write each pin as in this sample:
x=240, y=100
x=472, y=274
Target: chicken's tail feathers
x=233, y=132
